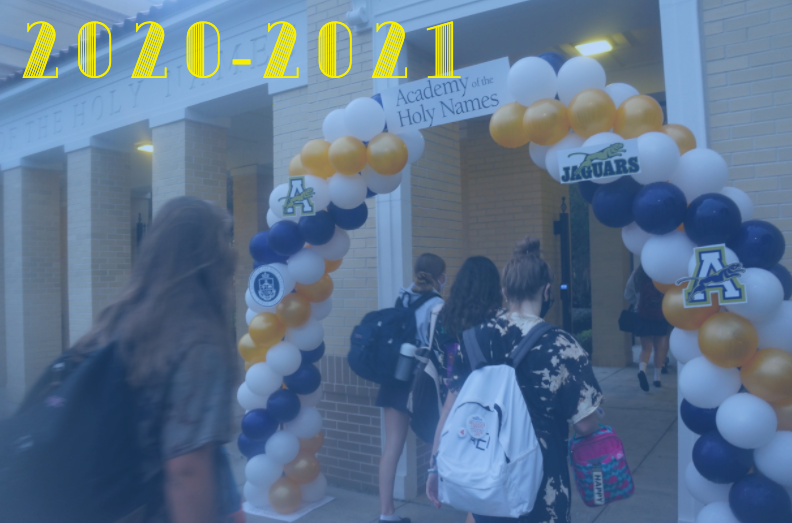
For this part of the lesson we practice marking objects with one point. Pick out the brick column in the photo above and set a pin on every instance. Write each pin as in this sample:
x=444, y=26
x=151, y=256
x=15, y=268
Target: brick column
x=189, y=159
x=245, y=187
x=31, y=208
x=99, y=242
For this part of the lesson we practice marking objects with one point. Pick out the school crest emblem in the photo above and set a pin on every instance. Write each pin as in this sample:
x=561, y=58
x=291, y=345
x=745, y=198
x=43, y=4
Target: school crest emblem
x=266, y=286
x=298, y=196
x=713, y=276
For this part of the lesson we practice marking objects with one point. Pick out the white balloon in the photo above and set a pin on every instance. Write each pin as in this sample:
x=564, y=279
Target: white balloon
x=261, y=380
x=306, y=337
x=665, y=258
x=570, y=141
x=336, y=248
x=415, y=143
x=532, y=79
x=635, y=238
x=578, y=73
x=620, y=92
x=774, y=459
x=746, y=421
x=256, y=496
x=538, y=154
x=703, y=489
x=603, y=139
x=333, y=126
x=284, y=358
x=364, y=118
x=315, y=490
x=249, y=315
x=255, y=307
x=262, y=471
x=380, y=183
x=731, y=257
x=774, y=331
x=288, y=279
x=248, y=400
x=312, y=399
x=705, y=385
x=347, y=192
x=684, y=345
x=282, y=447
x=306, y=266
x=765, y=295
x=742, y=200
x=659, y=158
x=321, y=310
x=307, y=424
x=700, y=171
x=275, y=202
x=718, y=512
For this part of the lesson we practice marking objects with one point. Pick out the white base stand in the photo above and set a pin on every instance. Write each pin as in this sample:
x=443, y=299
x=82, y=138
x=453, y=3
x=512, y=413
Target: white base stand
x=269, y=512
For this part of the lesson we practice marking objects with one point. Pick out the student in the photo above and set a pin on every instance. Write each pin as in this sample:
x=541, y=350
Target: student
x=556, y=379
x=430, y=279
x=650, y=325
x=173, y=326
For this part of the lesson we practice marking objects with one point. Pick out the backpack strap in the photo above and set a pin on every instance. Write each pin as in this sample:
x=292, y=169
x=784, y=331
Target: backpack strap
x=400, y=302
x=529, y=341
x=473, y=349
x=433, y=322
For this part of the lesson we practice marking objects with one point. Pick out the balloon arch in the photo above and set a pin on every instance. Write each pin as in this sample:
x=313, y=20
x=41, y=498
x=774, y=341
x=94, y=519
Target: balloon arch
x=737, y=378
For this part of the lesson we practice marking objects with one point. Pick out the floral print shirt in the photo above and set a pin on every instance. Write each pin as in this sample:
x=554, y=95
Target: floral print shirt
x=557, y=381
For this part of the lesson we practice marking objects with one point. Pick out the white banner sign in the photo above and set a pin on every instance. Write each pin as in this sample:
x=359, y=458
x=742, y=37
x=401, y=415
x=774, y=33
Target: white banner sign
x=480, y=90
x=606, y=160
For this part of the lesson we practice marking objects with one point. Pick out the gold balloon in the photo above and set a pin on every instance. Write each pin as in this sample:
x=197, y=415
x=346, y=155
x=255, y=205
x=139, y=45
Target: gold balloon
x=687, y=319
x=506, y=126
x=387, y=154
x=546, y=121
x=784, y=413
x=285, y=496
x=314, y=157
x=248, y=364
x=318, y=291
x=251, y=352
x=728, y=340
x=769, y=375
x=638, y=115
x=347, y=155
x=266, y=329
x=683, y=136
x=293, y=310
x=296, y=168
x=303, y=470
x=312, y=445
x=332, y=265
x=591, y=111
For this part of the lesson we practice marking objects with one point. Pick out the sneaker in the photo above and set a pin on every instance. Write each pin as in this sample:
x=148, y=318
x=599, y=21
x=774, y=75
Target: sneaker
x=664, y=370
x=657, y=384
x=643, y=381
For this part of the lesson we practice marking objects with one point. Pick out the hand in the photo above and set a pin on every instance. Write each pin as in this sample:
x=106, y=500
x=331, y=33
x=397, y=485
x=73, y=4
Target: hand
x=432, y=483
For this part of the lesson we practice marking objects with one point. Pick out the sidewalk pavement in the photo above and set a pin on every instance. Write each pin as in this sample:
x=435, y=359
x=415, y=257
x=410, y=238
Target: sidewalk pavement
x=646, y=422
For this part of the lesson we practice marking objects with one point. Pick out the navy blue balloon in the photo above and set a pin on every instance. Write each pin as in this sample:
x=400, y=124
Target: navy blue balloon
x=370, y=193
x=261, y=251
x=587, y=190
x=613, y=202
x=317, y=229
x=758, y=244
x=250, y=448
x=256, y=264
x=312, y=356
x=283, y=405
x=305, y=380
x=349, y=219
x=718, y=460
x=659, y=207
x=285, y=238
x=378, y=98
x=756, y=499
x=712, y=218
x=698, y=420
x=783, y=275
x=259, y=425
x=554, y=59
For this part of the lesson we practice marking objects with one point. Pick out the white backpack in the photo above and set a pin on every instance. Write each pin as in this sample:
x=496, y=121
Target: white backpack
x=489, y=460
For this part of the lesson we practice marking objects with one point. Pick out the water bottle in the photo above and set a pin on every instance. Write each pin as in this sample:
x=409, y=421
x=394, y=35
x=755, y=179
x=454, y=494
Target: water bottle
x=406, y=363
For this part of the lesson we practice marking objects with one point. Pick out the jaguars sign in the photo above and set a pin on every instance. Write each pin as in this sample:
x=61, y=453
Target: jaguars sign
x=595, y=162
x=713, y=276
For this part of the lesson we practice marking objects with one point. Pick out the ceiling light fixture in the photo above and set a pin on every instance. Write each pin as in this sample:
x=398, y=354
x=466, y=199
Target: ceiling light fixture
x=600, y=46
x=146, y=148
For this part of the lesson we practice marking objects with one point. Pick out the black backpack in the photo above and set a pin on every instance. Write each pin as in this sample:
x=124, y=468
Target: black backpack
x=70, y=454
x=376, y=342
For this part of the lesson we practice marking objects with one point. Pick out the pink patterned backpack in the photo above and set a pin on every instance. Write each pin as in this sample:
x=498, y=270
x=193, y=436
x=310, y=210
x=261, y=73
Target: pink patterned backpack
x=602, y=475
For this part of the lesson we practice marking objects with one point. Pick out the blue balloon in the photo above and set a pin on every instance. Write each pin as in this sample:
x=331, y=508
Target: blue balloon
x=262, y=252
x=378, y=98
x=718, y=460
x=305, y=380
x=312, y=356
x=250, y=448
x=285, y=238
x=317, y=229
x=758, y=244
x=698, y=420
x=712, y=218
x=612, y=203
x=587, y=190
x=283, y=405
x=783, y=275
x=554, y=59
x=756, y=499
x=349, y=219
x=659, y=207
x=259, y=425
x=370, y=193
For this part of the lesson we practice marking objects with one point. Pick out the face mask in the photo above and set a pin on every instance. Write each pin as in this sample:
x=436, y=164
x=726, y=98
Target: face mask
x=546, y=304
x=443, y=282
